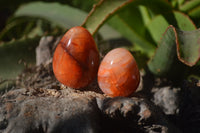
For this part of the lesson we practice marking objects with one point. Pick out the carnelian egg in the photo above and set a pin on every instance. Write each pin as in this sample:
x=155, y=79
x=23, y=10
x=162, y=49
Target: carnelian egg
x=76, y=58
x=118, y=74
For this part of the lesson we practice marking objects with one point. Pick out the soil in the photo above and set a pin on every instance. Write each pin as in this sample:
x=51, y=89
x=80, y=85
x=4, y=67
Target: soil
x=40, y=104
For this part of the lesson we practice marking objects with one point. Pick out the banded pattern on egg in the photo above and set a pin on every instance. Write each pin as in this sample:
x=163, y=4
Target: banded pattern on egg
x=118, y=74
x=76, y=58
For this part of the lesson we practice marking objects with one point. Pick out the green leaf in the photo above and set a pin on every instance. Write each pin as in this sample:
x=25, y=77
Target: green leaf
x=159, y=24
x=192, y=8
x=84, y=4
x=130, y=24
x=189, y=5
x=176, y=45
x=156, y=6
x=195, y=13
x=63, y=15
x=14, y=54
x=28, y=27
x=188, y=46
x=6, y=85
x=101, y=12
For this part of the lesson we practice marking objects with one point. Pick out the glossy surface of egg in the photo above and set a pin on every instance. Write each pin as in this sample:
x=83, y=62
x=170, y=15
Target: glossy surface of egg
x=76, y=58
x=118, y=74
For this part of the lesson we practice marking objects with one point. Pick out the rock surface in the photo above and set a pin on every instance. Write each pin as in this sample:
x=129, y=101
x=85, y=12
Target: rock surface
x=68, y=110
x=48, y=111
x=167, y=98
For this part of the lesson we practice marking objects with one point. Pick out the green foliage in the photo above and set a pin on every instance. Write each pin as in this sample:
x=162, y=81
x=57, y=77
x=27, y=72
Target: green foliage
x=28, y=27
x=159, y=24
x=189, y=5
x=172, y=52
x=15, y=55
x=84, y=5
x=176, y=44
x=130, y=24
x=61, y=15
x=101, y=12
x=144, y=23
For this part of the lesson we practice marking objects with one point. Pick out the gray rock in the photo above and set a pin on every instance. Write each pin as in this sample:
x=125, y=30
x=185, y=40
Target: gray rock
x=136, y=114
x=52, y=112
x=45, y=48
x=167, y=98
x=74, y=111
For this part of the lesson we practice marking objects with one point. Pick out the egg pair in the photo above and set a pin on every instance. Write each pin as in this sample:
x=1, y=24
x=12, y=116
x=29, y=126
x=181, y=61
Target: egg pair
x=76, y=64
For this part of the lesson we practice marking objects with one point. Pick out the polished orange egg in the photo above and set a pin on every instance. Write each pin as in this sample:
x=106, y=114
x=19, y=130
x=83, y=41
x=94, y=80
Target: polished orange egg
x=76, y=58
x=118, y=74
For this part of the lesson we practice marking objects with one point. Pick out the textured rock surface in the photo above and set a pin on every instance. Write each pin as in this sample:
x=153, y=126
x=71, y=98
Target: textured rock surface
x=44, y=49
x=48, y=111
x=167, y=98
x=69, y=110
x=134, y=115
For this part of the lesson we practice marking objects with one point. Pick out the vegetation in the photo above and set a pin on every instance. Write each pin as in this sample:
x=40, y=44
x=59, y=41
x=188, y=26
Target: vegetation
x=163, y=33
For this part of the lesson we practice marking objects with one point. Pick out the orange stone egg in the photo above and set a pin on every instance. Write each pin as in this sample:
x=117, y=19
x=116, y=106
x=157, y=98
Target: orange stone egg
x=118, y=74
x=76, y=58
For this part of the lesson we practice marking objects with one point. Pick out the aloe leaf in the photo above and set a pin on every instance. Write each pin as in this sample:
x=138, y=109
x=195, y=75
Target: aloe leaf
x=5, y=85
x=192, y=8
x=106, y=8
x=101, y=12
x=188, y=46
x=14, y=54
x=62, y=15
x=129, y=22
x=14, y=57
x=195, y=13
x=157, y=6
x=157, y=26
x=189, y=5
x=27, y=27
x=176, y=45
x=133, y=29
